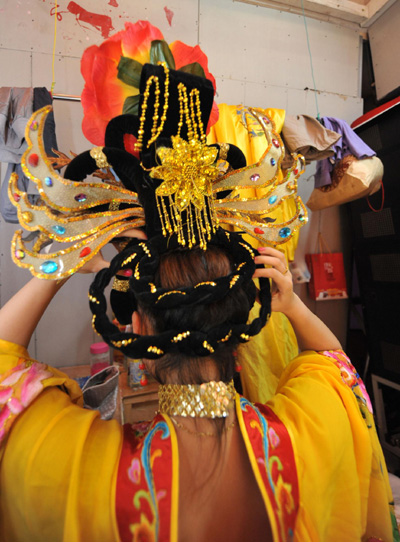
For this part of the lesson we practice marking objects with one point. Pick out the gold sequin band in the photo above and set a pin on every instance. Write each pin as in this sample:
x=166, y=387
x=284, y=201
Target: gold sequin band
x=180, y=336
x=114, y=205
x=208, y=400
x=169, y=293
x=223, y=151
x=124, y=342
x=120, y=285
x=155, y=350
x=99, y=157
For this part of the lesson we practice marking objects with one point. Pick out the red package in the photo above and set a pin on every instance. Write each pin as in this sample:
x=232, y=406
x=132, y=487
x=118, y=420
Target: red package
x=328, y=280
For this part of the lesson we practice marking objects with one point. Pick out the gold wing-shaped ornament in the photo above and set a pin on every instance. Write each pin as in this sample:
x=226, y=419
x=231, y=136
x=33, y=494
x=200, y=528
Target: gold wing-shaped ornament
x=63, y=214
x=252, y=215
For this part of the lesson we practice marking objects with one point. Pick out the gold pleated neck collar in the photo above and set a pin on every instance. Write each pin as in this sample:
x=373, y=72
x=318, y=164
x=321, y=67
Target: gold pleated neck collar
x=207, y=400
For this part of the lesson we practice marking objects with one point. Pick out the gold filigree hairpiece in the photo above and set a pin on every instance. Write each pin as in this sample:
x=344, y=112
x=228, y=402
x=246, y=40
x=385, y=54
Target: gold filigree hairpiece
x=191, y=184
x=64, y=215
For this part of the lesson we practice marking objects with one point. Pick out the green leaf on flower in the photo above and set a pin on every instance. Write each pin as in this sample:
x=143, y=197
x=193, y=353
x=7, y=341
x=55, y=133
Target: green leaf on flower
x=131, y=105
x=194, y=68
x=160, y=52
x=129, y=71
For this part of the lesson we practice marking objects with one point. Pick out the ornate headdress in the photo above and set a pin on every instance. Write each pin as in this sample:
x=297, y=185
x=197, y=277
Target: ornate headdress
x=177, y=191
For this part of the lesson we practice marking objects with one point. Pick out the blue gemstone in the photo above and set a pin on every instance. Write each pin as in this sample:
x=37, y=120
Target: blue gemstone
x=49, y=267
x=302, y=218
x=58, y=229
x=273, y=161
x=272, y=199
x=48, y=181
x=80, y=198
x=284, y=232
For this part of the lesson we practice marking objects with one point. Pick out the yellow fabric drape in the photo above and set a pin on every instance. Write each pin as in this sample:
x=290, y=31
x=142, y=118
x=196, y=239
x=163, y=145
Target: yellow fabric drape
x=266, y=355
x=343, y=482
x=61, y=457
x=60, y=461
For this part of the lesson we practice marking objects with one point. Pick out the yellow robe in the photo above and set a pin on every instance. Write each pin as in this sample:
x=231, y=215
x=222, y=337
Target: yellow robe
x=59, y=462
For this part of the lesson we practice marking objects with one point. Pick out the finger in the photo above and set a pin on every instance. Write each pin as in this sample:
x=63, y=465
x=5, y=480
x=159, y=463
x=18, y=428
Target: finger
x=271, y=273
x=270, y=251
x=275, y=253
x=273, y=261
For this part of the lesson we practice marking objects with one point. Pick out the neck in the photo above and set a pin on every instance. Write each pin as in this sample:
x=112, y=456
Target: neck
x=197, y=371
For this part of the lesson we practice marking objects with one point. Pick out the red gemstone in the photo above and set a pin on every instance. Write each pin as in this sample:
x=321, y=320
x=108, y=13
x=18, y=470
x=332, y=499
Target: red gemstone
x=296, y=171
x=33, y=159
x=276, y=143
x=17, y=197
x=258, y=230
x=85, y=252
x=125, y=272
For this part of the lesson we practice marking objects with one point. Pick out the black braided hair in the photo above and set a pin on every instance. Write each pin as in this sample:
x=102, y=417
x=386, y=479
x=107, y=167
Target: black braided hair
x=143, y=259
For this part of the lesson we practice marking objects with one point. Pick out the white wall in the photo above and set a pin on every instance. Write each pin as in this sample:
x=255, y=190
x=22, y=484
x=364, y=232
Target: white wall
x=258, y=56
x=385, y=45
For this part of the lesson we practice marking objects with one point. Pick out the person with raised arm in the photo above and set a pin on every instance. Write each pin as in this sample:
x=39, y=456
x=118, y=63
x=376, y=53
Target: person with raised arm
x=210, y=466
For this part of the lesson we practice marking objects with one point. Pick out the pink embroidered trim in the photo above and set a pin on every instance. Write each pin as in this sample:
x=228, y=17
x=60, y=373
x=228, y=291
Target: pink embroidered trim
x=349, y=374
x=18, y=388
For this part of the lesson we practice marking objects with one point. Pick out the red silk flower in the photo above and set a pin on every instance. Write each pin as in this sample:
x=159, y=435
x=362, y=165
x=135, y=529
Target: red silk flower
x=112, y=70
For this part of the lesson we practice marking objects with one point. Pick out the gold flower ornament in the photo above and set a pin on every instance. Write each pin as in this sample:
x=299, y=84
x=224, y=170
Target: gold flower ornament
x=188, y=170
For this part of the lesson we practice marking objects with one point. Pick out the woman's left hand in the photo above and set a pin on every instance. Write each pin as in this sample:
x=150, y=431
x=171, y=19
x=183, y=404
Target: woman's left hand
x=95, y=264
x=276, y=269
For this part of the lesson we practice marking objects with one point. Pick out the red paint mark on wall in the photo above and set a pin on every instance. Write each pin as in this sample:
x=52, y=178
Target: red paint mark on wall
x=170, y=14
x=98, y=21
x=113, y=3
x=54, y=10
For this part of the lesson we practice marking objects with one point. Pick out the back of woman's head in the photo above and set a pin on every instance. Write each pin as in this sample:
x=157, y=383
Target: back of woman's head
x=186, y=268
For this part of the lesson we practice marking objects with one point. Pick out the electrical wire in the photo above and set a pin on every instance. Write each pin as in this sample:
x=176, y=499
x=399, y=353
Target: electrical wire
x=54, y=50
x=311, y=63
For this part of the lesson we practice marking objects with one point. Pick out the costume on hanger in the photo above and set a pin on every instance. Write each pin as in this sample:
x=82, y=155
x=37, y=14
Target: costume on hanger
x=16, y=107
x=277, y=342
x=307, y=136
x=349, y=143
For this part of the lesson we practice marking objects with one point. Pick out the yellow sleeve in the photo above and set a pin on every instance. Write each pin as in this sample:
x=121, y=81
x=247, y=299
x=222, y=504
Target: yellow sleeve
x=343, y=483
x=264, y=358
x=58, y=461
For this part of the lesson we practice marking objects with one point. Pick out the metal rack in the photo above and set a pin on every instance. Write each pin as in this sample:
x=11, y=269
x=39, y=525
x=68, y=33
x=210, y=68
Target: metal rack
x=67, y=97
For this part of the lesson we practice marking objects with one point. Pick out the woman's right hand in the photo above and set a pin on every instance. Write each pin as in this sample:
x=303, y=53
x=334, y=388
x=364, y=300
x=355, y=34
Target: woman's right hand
x=311, y=332
x=276, y=268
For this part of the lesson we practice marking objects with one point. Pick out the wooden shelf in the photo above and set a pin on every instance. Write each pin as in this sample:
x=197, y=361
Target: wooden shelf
x=139, y=404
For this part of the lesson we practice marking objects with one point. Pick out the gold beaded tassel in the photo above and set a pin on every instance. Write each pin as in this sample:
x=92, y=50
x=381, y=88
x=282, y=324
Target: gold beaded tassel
x=187, y=171
x=156, y=128
x=164, y=216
